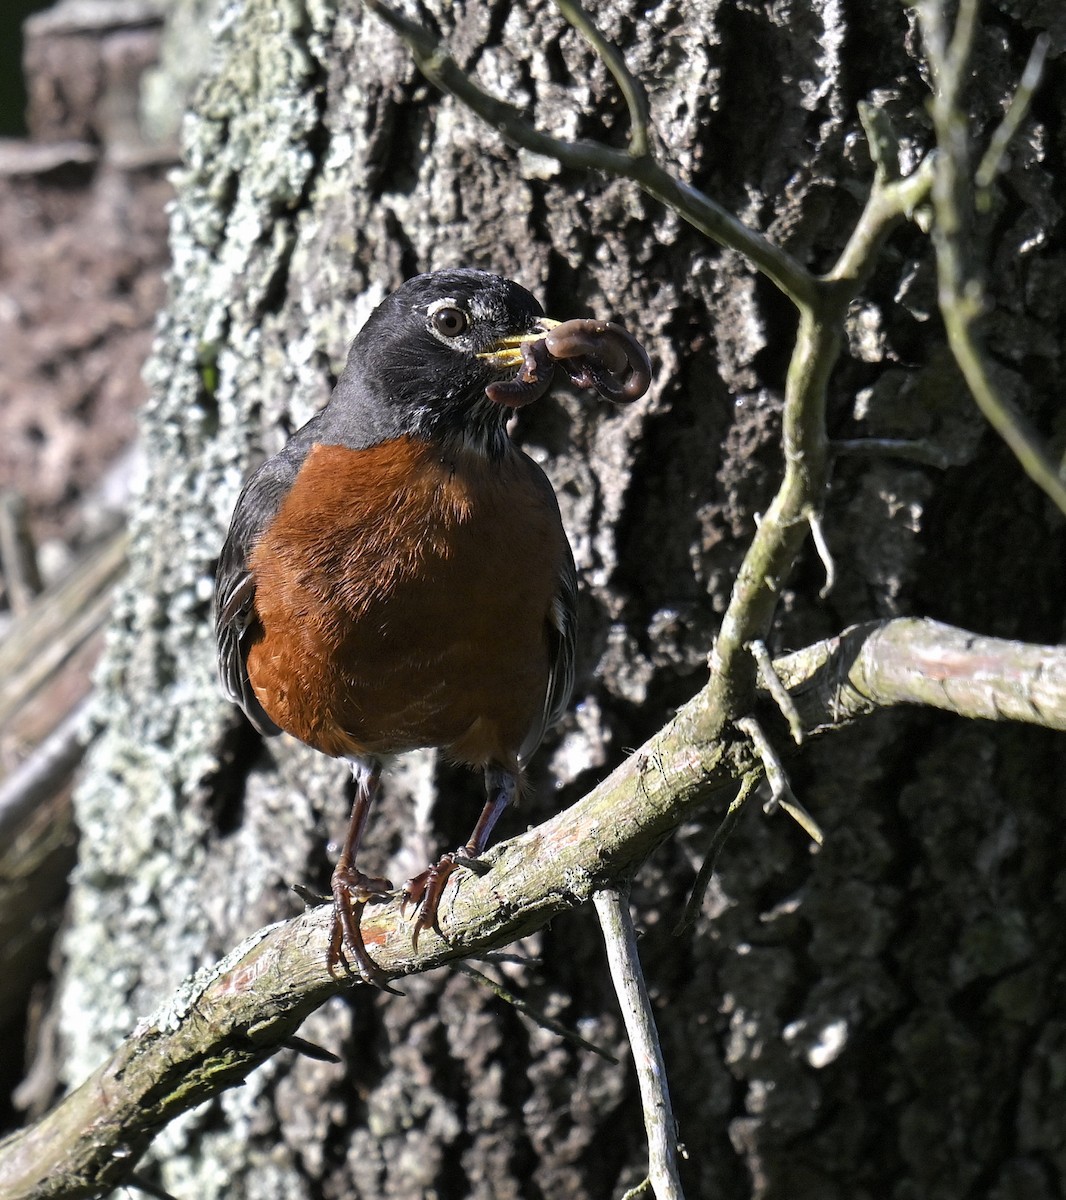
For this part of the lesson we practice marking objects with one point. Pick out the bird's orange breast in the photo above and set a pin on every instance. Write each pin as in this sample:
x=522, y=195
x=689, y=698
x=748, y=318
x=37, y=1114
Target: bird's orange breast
x=404, y=596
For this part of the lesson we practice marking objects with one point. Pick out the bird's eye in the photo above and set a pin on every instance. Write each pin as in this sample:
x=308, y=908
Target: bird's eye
x=450, y=322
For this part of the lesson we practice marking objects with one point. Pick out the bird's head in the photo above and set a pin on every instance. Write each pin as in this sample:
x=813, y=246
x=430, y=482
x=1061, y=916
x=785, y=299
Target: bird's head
x=423, y=360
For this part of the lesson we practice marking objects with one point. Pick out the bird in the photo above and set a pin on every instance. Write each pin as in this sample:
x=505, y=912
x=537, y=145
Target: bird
x=398, y=576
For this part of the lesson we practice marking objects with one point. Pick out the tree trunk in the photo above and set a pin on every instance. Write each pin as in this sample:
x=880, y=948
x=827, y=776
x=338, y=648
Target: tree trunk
x=878, y=1018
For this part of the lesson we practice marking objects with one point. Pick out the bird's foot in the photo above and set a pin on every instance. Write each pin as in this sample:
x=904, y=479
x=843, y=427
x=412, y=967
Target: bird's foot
x=351, y=892
x=425, y=890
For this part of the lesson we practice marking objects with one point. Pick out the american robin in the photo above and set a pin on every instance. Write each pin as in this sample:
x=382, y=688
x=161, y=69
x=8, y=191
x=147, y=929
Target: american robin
x=398, y=575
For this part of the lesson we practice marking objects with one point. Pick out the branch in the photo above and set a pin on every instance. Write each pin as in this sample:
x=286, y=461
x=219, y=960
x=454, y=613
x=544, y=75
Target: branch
x=636, y=164
x=748, y=787
x=909, y=661
x=620, y=942
x=41, y=775
x=628, y=84
x=781, y=793
x=19, y=570
x=58, y=623
x=796, y=508
x=229, y=1018
x=961, y=295
x=536, y=1015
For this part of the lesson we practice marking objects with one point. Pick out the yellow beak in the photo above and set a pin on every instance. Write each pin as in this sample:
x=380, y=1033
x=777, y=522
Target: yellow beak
x=506, y=354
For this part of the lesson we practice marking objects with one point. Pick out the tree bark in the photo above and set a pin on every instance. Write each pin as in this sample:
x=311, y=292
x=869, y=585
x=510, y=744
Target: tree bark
x=877, y=1018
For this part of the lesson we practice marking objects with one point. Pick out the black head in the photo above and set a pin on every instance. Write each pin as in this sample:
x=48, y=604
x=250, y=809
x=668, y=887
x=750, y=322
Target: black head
x=422, y=362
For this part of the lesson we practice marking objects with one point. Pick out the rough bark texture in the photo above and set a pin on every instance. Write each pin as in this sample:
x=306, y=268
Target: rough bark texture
x=84, y=247
x=881, y=1018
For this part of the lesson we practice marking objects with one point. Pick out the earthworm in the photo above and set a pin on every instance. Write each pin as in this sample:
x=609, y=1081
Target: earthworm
x=601, y=355
x=532, y=381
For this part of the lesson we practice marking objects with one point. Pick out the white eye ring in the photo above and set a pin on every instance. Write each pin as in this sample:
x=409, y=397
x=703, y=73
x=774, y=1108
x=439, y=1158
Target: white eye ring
x=448, y=320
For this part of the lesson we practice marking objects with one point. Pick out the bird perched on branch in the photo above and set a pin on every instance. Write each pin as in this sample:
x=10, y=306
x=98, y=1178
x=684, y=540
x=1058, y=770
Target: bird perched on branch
x=398, y=575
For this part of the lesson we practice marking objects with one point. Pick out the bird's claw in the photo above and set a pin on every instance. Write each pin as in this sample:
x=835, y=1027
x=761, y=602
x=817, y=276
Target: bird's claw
x=352, y=890
x=425, y=890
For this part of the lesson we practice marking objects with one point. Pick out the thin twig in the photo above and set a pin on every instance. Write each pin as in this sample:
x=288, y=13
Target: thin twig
x=498, y=958
x=911, y=449
x=629, y=85
x=46, y=769
x=778, y=692
x=889, y=201
x=620, y=941
x=882, y=140
x=961, y=294
x=781, y=793
x=992, y=160
x=58, y=623
x=814, y=520
x=310, y=1049
x=748, y=786
x=819, y=338
x=141, y=1184
x=18, y=553
x=533, y=1013
x=638, y=1192
x=586, y=154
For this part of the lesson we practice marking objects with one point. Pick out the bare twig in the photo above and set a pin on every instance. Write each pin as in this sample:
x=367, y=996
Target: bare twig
x=140, y=1184
x=962, y=296
x=771, y=683
x=911, y=449
x=781, y=793
x=692, y=205
x=780, y=535
x=57, y=624
x=638, y=1192
x=992, y=160
x=710, y=862
x=310, y=1049
x=533, y=1013
x=628, y=84
x=814, y=520
x=620, y=941
x=881, y=139
x=43, y=773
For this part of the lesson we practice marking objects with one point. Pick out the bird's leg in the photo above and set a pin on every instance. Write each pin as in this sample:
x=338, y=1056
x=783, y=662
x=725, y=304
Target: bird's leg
x=351, y=888
x=426, y=889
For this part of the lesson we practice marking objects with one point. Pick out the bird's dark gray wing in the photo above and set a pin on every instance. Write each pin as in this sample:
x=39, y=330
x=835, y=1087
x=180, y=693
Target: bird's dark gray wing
x=563, y=635
x=562, y=645
x=235, y=616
